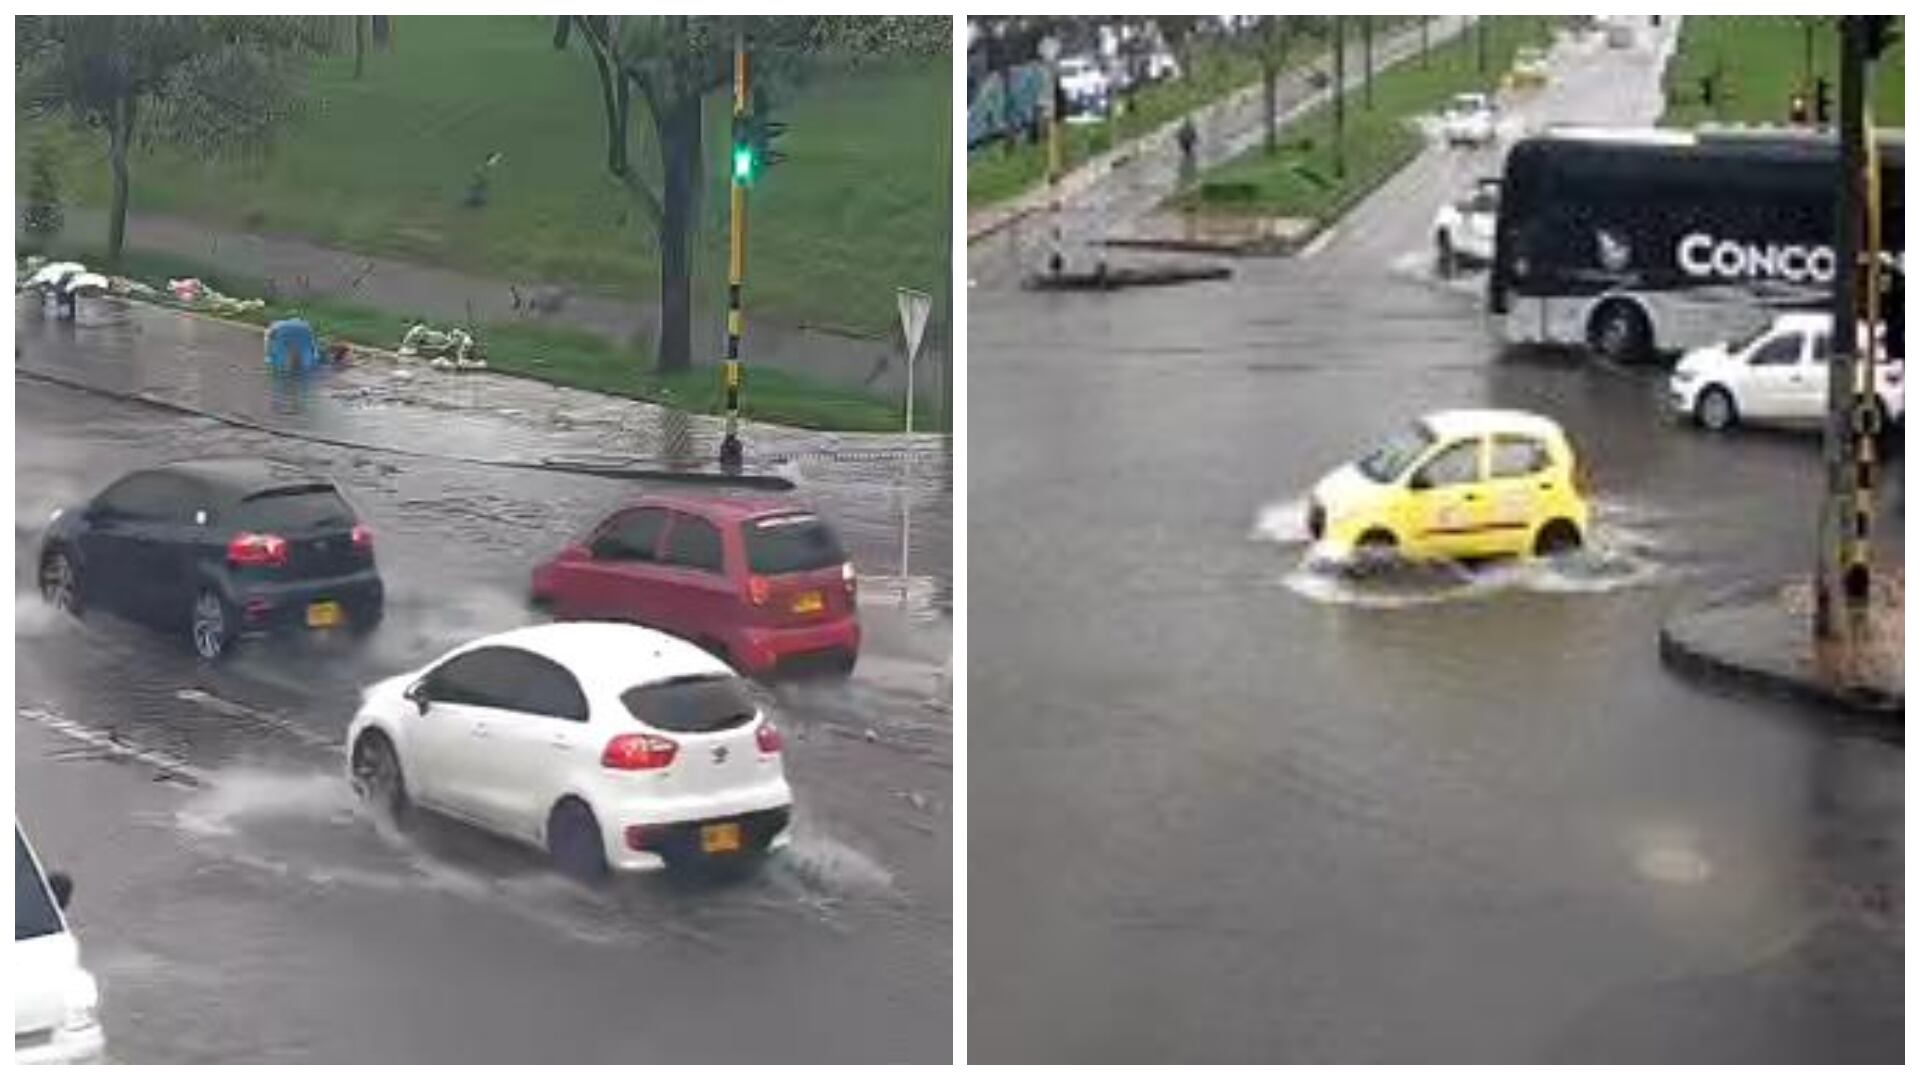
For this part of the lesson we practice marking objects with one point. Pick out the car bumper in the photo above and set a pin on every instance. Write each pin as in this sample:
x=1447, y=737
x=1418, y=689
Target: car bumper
x=667, y=835
x=764, y=651
x=276, y=607
x=88, y=1046
x=1680, y=398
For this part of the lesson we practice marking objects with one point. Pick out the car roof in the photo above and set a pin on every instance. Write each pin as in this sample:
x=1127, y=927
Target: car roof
x=609, y=655
x=730, y=508
x=1803, y=320
x=1454, y=423
x=240, y=476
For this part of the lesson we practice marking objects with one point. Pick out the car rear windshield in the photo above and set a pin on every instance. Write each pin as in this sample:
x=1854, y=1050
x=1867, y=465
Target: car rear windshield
x=33, y=912
x=695, y=703
x=309, y=508
x=1392, y=457
x=792, y=543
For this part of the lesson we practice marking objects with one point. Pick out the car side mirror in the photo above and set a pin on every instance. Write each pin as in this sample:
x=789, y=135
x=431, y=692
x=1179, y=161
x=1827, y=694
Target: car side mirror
x=607, y=548
x=417, y=693
x=1420, y=481
x=62, y=886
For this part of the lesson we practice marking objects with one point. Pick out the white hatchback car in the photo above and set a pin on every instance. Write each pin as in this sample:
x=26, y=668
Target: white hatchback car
x=611, y=746
x=56, y=1003
x=1776, y=375
x=1468, y=120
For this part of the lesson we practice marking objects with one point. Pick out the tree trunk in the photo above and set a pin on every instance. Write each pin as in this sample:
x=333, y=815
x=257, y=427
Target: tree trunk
x=359, y=45
x=382, y=30
x=119, y=138
x=562, y=30
x=680, y=145
x=1270, y=79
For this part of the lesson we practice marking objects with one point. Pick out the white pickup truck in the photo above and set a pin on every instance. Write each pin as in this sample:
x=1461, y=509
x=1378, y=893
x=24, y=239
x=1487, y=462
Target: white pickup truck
x=1463, y=229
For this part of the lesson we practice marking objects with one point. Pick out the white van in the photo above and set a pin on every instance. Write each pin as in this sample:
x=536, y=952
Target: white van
x=56, y=1003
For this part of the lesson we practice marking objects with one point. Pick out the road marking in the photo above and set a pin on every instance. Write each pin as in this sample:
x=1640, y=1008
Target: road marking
x=1319, y=242
x=172, y=768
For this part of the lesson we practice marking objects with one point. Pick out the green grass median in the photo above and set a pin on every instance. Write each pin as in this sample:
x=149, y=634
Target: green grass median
x=1758, y=62
x=382, y=164
x=1299, y=180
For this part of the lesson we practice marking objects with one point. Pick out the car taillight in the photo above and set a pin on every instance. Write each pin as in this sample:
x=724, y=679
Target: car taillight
x=362, y=539
x=257, y=549
x=757, y=590
x=769, y=738
x=847, y=575
x=639, y=751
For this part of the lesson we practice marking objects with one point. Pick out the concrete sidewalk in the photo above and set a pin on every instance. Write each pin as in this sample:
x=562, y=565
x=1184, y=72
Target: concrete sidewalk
x=1760, y=638
x=295, y=268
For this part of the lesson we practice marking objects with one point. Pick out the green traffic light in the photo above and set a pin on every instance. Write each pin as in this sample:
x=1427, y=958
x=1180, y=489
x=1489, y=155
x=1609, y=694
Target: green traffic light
x=742, y=164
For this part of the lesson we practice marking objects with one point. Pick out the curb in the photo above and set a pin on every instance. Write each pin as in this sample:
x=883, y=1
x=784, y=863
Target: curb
x=1118, y=278
x=1688, y=658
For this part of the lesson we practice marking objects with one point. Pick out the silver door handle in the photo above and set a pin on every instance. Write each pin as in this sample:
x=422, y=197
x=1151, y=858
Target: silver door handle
x=560, y=744
x=480, y=731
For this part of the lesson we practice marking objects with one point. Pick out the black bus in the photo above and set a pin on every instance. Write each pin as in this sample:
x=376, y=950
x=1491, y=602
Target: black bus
x=1637, y=242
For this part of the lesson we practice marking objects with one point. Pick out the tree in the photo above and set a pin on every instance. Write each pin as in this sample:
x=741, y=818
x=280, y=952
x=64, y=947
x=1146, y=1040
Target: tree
x=43, y=218
x=1272, y=37
x=672, y=62
x=207, y=83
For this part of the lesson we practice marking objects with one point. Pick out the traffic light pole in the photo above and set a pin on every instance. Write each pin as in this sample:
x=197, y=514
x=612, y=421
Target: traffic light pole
x=731, y=452
x=1844, y=575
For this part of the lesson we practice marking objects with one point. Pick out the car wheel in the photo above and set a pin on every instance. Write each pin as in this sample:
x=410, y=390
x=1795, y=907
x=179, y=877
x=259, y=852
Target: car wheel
x=1620, y=332
x=59, y=584
x=1715, y=409
x=212, y=625
x=378, y=779
x=573, y=839
x=1887, y=434
x=1376, y=548
x=1445, y=262
x=1557, y=537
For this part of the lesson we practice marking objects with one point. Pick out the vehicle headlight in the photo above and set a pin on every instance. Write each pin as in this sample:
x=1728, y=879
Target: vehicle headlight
x=83, y=1003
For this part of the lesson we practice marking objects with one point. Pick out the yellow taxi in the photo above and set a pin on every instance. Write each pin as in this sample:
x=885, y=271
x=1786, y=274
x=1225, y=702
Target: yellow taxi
x=1456, y=484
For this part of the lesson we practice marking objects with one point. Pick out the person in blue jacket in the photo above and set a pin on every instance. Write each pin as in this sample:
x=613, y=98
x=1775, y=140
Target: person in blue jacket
x=291, y=346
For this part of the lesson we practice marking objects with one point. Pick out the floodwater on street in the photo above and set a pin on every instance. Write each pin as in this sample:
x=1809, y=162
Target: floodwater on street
x=1226, y=805
x=236, y=903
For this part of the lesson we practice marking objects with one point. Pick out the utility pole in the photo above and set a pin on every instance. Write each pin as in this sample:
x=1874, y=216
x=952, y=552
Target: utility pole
x=1339, y=98
x=1843, y=575
x=731, y=452
x=1056, y=102
x=1366, y=56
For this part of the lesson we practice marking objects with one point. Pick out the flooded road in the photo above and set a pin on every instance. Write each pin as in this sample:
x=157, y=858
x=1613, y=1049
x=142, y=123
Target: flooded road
x=1226, y=807
x=235, y=902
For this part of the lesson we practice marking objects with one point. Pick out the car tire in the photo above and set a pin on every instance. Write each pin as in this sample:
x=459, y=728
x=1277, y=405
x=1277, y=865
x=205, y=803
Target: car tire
x=1377, y=548
x=1557, y=537
x=1446, y=262
x=60, y=582
x=1715, y=410
x=574, y=841
x=1619, y=331
x=210, y=625
x=1886, y=437
x=378, y=778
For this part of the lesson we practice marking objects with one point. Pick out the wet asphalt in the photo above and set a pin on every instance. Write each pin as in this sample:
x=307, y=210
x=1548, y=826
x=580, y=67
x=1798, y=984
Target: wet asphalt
x=235, y=903
x=1227, y=808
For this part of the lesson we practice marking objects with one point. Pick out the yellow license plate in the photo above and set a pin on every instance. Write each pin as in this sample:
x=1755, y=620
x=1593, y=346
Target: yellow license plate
x=808, y=603
x=324, y=614
x=723, y=837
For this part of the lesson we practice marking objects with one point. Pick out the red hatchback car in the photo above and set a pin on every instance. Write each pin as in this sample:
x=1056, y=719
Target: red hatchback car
x=762, y=584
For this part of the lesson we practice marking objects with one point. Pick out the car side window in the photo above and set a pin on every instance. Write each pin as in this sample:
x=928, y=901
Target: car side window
x=631, y=537
x=1822, y=349
x=501, y=677
x=1518, y=455
x=466, y=679
x=1457, y=464
x=1783, y=349
x=695, y=542
x=132, y=498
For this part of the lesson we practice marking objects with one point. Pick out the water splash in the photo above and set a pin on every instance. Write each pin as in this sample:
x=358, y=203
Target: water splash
x=237, y=798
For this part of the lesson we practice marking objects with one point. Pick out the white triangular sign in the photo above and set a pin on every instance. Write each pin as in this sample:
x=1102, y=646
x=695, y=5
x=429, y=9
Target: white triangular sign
x=914, y=307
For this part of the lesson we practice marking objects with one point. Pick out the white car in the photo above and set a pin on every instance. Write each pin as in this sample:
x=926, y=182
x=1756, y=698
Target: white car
x=1776, y=375
x=1086, y=87
x=56, y=1003
x=1463, y=229
x=1468, y=120
x=610, y=746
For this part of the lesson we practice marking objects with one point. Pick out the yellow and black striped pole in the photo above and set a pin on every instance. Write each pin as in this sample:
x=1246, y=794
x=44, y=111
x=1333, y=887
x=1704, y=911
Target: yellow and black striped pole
x=1856, y=552
x=731, y=452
